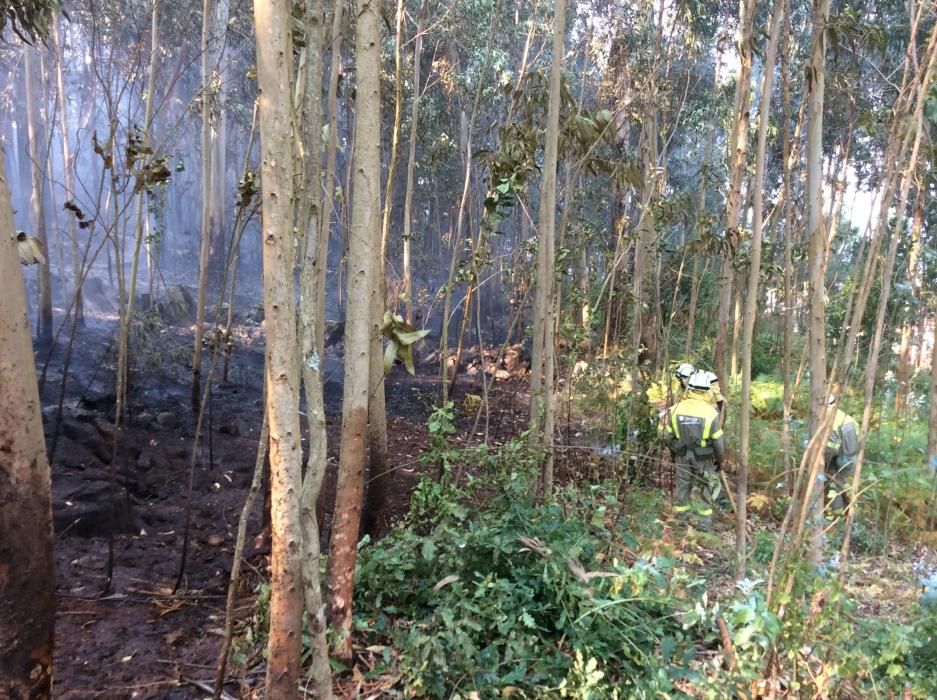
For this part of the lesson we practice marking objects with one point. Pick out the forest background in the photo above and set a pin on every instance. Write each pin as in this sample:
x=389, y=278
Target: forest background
x=604, y=189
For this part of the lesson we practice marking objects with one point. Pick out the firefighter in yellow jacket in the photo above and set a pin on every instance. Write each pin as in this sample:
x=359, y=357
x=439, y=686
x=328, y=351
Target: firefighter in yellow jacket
x=694, y=436
x=840, y=457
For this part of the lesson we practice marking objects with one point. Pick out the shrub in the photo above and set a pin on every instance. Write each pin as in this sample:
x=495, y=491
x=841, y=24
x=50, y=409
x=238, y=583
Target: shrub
x=520, y=595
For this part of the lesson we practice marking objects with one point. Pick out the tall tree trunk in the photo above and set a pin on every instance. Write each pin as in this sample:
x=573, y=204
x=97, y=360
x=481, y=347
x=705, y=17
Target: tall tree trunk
x=207, y=107
x=274, y=56
x=788, y=256
x=330, y=157
x=751, y=300
x=542, y=365
x=907, y=327
x=312, y=274
x=738, y=160
x=466, y=131
x=698, y=268
x=68, y=165
x=411, y=162
x=219, y=141
x=127, y=294
x=816, y=336
x=379, y=474
x=27, y=586
x=37, y=159
x=932, y=414
x=645, y=246
x=365, y=221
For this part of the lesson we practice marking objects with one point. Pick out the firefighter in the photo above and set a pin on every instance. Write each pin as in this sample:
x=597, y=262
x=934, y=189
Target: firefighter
x=695, y=439
x=840, y=456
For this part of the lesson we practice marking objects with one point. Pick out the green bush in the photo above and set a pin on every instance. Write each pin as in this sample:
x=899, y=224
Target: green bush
x=518, y=595
x=900, y=657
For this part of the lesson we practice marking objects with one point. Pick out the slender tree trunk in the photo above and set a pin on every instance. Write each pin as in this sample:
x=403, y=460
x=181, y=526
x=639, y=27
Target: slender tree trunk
x=467, y=126
x=645, y=247
x=698, y=269
x=150, y=90
x=541, y=404
x=365, y=221
x=932, y=414
x=35, y=122
x=207, y=107
x=411, y=162
x=789, y=298
x=68, y=165
x=128, y=293
x=312, y=290
x=751, y=301
x=330, y=158
x=738, y=160
x=378, y=471
x=274, y=57
x=219, y=141
x=907, y=327
x=27, y=586
x=816, y=262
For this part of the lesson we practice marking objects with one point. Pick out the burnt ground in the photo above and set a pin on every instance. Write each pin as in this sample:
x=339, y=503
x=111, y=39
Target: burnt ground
x=139, y=640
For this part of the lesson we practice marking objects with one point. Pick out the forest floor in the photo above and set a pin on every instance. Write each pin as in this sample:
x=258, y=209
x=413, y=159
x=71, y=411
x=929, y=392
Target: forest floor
x=140, y=640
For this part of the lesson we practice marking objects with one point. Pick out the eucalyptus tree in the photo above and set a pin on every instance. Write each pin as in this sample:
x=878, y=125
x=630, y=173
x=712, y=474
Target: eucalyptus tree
x=274, y=57
x=314, y=246
x=362, y=252
x=68, y=164
x=542, y=408
x=27, y=587
x=754, y=275
x=35, y=121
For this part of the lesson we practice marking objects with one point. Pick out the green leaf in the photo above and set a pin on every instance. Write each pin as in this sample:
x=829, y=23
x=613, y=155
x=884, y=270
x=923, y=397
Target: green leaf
x=405, y=353
x=428, y=549
x=389, y=353
x=409, y=338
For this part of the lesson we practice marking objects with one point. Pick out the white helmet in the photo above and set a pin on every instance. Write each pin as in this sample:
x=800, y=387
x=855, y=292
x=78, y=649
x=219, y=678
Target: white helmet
x=713, y=377
x=700, y=381
x=684, y=371
x=830, y=400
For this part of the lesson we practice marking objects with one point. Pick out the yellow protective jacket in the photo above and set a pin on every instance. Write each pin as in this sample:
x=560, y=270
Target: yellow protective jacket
x=844, y=437
x=693, y=426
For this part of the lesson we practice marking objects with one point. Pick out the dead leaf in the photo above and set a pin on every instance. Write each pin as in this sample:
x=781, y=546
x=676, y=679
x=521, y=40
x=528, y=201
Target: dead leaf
x=451, y=578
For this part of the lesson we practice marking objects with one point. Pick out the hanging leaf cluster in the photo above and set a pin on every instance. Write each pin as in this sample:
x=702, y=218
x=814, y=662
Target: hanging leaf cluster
x=148, y=172
x=102, y=150
x=83, y=222
x=400, y=339
x=29, y=19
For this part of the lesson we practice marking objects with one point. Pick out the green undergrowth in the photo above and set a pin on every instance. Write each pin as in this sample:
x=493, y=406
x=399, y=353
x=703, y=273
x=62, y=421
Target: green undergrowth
x=486, y=592
x=507, y=596
x=898, y=484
